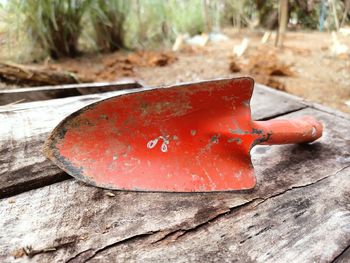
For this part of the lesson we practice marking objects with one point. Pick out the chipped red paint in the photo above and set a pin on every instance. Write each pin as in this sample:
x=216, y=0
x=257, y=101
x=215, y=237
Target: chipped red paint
x=194, y=137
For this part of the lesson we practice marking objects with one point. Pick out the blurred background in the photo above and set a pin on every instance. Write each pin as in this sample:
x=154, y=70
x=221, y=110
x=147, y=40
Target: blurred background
x=301, y=46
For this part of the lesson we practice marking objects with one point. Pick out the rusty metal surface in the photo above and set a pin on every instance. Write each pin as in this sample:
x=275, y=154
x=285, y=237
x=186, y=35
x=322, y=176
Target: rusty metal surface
x=185, y=138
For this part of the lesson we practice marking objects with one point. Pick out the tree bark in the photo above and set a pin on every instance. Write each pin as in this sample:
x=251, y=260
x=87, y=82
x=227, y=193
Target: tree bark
x=282, y=22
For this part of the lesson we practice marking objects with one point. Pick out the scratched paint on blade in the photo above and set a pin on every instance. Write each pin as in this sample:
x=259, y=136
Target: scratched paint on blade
x=127, y=140
x=165, y=142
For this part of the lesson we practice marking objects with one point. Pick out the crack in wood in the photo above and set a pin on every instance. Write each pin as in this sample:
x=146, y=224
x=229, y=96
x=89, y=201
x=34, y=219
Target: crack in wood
x=30, y=252
x=174, y=234
x=168, y=235
x=79, y=258
x=343, y=255
x=282, y=114
x=301, y=186
x=330, y=111
x=33, y=184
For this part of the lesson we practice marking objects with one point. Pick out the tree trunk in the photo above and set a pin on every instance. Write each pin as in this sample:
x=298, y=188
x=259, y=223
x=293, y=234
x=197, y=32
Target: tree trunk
x=282, y=22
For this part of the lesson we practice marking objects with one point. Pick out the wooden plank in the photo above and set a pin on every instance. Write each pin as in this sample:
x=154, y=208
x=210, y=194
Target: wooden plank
x=301, y=201
x=302, y=225
x=268, y=103
x=62, y=91
x=22, y=164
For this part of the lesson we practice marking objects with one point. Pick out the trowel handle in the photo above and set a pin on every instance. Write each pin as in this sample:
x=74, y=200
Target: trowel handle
x=283, y=131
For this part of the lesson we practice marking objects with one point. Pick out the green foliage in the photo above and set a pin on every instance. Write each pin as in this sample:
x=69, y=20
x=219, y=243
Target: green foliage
x=60, y=28
x=239, y=13
x=53, y=24
x=306, y=18
x=16, y=45
x=147, y=23
x=159, y=21
x=308, y=14
x=186, y=18
x=108, y=20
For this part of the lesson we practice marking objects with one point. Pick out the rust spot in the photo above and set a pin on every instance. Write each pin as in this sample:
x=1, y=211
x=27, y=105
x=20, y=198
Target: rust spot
x=238, y=131
x=256, y=131
x=104, y=117
x=237, y=140
x=214, y=139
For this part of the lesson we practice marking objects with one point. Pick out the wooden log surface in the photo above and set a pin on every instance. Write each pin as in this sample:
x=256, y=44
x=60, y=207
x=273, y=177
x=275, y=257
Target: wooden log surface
x=34, y=76
x=22, y=164
x=21, y=95
x=298, y=212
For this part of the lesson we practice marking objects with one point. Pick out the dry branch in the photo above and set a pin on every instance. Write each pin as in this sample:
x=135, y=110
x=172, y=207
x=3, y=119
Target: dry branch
x=30, y=76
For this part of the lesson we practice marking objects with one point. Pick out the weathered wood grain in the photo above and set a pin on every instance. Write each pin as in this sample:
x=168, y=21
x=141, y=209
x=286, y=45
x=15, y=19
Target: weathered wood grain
x=344, y=257
x=302, y=225
x=298, y=212
x=34, y=76
x=267, y=103
x=22, y=164
x=61, y=91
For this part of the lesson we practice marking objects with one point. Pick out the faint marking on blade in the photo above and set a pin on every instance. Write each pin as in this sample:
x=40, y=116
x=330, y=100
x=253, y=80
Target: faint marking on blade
x=164, y=147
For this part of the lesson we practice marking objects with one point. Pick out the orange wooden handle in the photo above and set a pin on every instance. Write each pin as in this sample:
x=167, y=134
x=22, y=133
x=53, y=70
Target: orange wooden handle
x=283, y=131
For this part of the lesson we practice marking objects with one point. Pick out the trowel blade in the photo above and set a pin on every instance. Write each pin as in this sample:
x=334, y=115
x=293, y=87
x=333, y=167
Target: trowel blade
x=186, y=138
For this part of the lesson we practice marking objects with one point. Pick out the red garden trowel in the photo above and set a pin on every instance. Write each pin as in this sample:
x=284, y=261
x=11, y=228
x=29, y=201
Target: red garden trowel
x=184, y=138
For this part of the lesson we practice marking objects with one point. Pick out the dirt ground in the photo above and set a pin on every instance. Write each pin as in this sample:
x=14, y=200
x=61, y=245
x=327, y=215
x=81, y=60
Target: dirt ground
x=304, y=66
